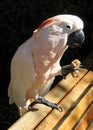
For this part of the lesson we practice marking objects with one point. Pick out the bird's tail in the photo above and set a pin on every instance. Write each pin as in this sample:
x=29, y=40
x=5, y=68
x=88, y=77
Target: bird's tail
x=10, y=95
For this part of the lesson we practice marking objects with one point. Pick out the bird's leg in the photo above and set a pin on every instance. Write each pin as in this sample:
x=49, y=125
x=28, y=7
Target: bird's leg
x=42, y=100
x=67, y=69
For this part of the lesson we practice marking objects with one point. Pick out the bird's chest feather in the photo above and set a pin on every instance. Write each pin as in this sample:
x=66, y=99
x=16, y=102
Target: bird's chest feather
x=46, y=65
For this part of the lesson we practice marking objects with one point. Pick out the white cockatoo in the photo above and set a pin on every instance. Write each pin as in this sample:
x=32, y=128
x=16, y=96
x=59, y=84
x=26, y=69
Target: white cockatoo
x=37, y=61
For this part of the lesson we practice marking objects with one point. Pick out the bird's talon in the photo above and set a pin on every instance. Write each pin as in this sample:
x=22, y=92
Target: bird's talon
x=60, y=109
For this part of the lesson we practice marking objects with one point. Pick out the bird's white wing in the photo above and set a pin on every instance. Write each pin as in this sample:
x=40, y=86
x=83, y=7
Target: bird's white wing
x=22, y=75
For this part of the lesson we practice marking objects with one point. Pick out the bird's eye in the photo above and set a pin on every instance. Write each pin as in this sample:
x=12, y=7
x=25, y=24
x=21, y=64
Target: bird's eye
x=68, y=27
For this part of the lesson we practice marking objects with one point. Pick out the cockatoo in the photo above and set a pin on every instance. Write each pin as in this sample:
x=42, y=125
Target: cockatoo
x=37, y=61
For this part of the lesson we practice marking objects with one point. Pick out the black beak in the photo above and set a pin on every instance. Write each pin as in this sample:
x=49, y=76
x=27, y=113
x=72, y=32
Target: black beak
x=76, y=39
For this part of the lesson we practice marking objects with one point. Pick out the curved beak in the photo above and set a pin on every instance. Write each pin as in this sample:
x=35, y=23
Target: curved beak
x=76, y=39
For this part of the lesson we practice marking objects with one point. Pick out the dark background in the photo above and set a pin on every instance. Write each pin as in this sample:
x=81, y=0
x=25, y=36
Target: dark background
x=18, y=20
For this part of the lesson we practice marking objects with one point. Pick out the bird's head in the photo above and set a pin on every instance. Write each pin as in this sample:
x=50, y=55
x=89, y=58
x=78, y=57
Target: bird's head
x=74, y=26
x=66, y=28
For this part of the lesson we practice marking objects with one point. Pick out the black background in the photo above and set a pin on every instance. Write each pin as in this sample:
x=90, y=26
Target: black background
x=18, y=20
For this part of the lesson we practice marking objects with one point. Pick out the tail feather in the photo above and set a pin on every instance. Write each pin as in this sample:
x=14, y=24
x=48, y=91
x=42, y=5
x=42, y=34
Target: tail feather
x=10, y=95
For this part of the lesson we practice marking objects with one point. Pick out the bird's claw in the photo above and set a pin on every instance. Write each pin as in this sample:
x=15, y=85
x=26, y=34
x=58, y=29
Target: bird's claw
x=67, y=69
x=58, y=108
x=74, y=66
x=42, y=100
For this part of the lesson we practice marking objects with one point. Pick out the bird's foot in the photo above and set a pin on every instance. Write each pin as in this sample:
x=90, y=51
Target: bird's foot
x=72, y=68
x=42, y=100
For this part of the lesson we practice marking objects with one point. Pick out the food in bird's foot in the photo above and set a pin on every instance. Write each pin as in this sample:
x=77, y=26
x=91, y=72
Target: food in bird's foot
x=72, y=68
x=76, y=64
